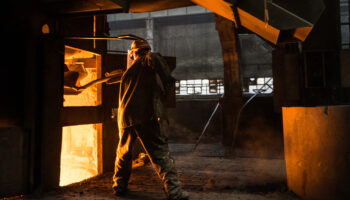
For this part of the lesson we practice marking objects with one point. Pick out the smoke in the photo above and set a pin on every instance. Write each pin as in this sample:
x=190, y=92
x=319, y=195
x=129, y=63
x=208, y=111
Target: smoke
x=260, y=137
x=258, y=165
x=207, y=170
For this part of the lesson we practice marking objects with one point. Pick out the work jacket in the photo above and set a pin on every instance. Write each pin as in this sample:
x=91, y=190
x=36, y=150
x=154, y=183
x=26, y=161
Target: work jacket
x=143, y=89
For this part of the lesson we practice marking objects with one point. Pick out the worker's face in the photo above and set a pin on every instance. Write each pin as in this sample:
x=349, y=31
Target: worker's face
x=131, y=57
x=131, y=51
x=131, y=54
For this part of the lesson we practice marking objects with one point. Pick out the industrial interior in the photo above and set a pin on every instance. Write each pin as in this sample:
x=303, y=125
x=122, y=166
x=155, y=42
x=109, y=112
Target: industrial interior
x=259, y=109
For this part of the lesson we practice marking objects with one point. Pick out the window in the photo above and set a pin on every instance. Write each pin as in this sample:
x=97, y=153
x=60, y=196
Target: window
x=199, y=87
x=344, y=23
x=258, y=84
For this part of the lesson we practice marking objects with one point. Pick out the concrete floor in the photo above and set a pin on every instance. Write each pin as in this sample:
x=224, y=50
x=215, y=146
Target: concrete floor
x=205, y=174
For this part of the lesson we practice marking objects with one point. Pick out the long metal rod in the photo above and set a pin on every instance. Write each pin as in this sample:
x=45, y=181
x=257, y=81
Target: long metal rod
x=149, y=156
x=240, y=111
x=101, y=80
x=239, y=116
x=94, y=82
x=91, y=38
x=206, y=126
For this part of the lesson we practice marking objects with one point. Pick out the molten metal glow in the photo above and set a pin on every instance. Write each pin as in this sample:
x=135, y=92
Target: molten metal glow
x=88, y=97
x=79, y=153
x=88, y=65
x=80, y=148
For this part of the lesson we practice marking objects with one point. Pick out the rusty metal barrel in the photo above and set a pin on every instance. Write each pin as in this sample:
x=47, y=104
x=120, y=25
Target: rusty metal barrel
x=317, y=151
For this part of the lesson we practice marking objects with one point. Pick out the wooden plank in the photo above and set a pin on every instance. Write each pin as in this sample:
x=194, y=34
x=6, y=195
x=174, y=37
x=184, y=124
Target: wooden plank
x=250, y=22
x=302, y=33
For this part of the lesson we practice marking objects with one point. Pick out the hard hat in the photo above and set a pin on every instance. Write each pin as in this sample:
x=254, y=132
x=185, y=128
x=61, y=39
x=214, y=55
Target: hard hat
x=140, y=44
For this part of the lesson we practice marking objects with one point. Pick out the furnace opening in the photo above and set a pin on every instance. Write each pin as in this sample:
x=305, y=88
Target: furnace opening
x=79, y=155
x=81, y=67
x=81, y=149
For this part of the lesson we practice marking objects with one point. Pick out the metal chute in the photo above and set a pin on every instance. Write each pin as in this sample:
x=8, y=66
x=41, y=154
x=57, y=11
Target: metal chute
x=274, y=20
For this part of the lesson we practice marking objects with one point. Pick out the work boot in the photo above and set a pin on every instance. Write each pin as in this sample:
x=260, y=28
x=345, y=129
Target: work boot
x=119, y=191
x=183, y=195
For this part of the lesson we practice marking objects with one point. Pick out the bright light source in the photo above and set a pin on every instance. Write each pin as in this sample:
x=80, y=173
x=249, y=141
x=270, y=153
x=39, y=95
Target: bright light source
x=79, y=153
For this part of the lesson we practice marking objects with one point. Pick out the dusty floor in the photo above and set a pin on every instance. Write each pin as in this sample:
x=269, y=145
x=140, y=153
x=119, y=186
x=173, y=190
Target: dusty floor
x=205, y=174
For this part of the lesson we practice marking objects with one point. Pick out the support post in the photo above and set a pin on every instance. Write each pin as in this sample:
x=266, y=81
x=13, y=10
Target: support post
x=232, y=83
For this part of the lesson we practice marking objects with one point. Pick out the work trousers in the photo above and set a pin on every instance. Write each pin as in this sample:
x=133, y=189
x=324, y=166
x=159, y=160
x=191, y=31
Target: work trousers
x=154, y=139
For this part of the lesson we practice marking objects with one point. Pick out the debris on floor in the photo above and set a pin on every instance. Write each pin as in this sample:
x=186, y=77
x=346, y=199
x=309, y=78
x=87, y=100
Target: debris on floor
x=205, y=174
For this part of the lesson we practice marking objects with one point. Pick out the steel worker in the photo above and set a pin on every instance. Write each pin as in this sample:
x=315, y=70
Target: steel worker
x=142, y=114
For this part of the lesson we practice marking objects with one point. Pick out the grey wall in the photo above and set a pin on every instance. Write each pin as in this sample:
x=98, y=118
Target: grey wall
x=255, y=56
x=192, y=39
x=136, y=27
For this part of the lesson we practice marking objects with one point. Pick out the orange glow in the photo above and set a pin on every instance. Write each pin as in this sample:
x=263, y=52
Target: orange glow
x=87, y=64
x=88, y=97
x=79, y=159
x=81, y=150
x=302, y=33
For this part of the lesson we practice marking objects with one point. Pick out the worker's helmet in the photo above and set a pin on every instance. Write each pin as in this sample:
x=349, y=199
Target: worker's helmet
x=140, y=45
